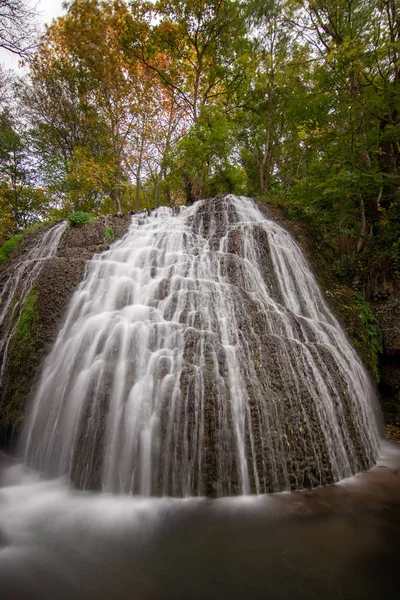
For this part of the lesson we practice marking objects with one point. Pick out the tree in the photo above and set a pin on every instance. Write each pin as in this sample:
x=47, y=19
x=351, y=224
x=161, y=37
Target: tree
x=21, y=204
x=67, y=134
x=95, y=108
x=201, y=41
x=196, y=50
x=263, y=105
x=6, y=83
x=17, y=26
x=79, y=105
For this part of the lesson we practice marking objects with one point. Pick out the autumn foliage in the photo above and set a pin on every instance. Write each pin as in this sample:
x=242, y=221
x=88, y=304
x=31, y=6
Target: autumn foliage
x=134, y=104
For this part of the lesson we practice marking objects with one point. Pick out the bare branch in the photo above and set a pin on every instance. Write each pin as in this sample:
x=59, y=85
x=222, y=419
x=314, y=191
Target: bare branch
x=18, y=28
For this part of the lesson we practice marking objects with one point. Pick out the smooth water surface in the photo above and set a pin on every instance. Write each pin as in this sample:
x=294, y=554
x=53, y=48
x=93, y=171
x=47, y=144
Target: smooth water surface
x=339, y=542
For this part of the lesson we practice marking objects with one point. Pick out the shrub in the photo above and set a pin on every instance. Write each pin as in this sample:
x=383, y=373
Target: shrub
x=28, y=317
x=79, y=218
x=109, y=234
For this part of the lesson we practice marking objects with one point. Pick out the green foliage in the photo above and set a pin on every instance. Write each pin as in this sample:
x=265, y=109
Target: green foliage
x=296, y=212
x=205, y=157
x=80, y=218
x=109, y=234
x=349, y=266
x=21, y=203
x=27, y=319
x=8, y=246
x=373, y=331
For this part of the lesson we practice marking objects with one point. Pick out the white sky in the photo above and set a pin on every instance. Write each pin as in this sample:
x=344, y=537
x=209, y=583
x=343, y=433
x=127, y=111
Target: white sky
x=47, y=10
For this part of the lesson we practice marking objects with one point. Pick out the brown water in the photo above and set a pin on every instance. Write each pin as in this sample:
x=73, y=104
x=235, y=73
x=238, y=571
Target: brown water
x=339, y=542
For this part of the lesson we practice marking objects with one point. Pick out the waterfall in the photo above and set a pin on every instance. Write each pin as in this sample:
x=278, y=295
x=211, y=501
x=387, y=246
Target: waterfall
x=198, y=356
x=19, y=281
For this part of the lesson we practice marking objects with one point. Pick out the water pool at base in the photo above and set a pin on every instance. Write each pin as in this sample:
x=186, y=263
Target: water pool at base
x=337, y=542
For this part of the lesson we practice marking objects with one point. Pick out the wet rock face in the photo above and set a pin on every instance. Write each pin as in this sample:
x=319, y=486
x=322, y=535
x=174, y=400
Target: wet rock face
x=198, y=357
x=56, y=276
x=388, y=315
x=62, y=274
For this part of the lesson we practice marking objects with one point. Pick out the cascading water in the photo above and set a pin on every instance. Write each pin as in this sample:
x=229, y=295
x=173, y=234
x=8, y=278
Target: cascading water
x=19, y=282
x=199, y=357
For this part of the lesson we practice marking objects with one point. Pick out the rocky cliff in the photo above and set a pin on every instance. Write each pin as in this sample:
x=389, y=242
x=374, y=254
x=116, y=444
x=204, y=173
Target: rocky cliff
x=60, y=275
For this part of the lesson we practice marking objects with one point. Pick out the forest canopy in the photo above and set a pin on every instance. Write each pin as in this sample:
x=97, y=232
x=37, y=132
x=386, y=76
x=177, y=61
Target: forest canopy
x=129, y=105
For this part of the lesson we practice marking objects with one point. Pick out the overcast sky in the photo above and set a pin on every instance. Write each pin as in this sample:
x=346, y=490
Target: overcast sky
x=47, y=11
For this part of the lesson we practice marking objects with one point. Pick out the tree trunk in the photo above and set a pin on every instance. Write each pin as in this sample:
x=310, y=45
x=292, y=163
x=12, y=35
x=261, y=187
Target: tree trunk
x=264, y=175
x=188, y=187
x=158, y=191
x=115, y=195
x=139, y=168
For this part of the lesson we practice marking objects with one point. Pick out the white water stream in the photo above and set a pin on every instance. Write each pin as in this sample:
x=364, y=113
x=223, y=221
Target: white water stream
x=198, y=356
x=19, y=283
